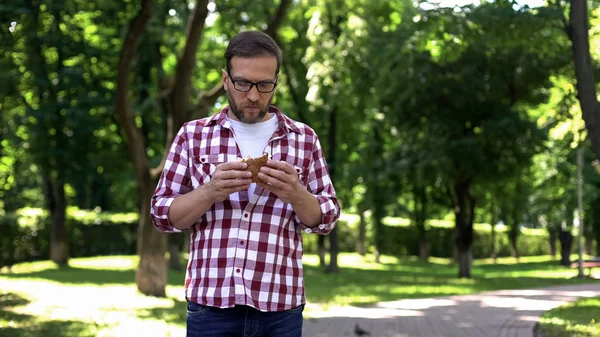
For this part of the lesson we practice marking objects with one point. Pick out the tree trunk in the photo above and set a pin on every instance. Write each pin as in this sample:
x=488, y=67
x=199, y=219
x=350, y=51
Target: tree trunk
x=333, y=237
x=465, y=259
x=51, y=161
x=377, y=255
x=420, y=213
x=424, y=249
x=151, y=274
x=187, y=243
x=553, y=236
x=577, y=30
x=378, y=199
x=174, y=242
x=514, y=247
x=378, y=231
x=464, y=212
x=321, y=250
x=493, y=220
x=59, y=244
x=54, y=195
x=566, y=244
x=589, y=245
x=494, y=254
x=333, y=252
x=362, y=235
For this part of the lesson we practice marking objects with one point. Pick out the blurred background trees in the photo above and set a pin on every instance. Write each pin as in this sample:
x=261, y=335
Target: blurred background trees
x=449, y=131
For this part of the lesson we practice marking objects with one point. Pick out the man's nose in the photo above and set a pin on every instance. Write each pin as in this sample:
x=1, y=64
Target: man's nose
x=253, y=94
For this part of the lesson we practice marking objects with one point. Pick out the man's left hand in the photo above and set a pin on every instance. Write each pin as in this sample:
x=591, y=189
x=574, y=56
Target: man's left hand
x=281, y=179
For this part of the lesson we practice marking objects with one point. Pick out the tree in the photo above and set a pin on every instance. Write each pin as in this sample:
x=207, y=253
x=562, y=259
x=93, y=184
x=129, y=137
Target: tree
x=577, y=29
x=57, y=87
x=467, y=85
x=151, y=275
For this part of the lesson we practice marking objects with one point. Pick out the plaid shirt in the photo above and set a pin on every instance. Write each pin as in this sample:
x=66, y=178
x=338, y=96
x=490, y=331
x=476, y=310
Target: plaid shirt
x=247, y=249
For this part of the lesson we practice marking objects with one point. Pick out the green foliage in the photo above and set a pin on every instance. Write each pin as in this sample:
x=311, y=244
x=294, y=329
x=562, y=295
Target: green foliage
x=422, y=96
x=403, y=240
x=26, y=234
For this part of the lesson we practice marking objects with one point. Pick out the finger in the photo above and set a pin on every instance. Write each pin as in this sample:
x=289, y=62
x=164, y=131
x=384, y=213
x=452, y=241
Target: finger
x=232, y=165
x=233, y=174
x=234, y=183
x=275, y=173
x=281, y=165
x=274, y=181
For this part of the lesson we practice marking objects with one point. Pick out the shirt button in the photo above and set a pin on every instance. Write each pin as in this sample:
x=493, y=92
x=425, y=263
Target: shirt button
x=245, y=215
x=237, y=270
x=242, y=242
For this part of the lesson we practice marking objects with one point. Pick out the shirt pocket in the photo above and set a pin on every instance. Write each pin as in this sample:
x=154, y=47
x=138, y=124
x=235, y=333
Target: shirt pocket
x=205, y=165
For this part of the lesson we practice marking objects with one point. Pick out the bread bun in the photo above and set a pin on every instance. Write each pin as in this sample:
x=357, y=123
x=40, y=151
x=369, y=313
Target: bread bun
x=254, y=165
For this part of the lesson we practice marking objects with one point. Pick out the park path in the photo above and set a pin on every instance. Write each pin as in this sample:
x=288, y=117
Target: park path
x=505, y=313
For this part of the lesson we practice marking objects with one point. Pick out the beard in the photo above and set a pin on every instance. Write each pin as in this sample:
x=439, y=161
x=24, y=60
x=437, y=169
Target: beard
x=248, y=117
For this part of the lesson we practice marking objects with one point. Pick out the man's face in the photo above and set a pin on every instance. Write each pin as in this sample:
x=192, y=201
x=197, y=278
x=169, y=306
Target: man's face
x=250, y=107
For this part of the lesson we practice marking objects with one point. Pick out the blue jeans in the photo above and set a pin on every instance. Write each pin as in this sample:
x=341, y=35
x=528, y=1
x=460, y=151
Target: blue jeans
x=242, y=321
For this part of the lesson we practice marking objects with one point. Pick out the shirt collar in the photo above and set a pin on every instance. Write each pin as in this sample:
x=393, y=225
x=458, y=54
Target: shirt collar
x=285, y=124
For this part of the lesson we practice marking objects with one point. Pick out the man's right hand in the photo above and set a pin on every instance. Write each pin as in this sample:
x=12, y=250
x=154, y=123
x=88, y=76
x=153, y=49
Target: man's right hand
x=228, y=178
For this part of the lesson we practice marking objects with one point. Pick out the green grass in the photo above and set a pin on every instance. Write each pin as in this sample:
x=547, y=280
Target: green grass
x=578, y=319
x=97, y=296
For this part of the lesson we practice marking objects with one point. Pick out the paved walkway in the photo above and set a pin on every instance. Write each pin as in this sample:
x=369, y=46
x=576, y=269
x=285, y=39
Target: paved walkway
x=507, y=313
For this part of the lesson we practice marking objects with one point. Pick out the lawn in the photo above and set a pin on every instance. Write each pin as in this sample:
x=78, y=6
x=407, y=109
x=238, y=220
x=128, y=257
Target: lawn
x=579, y=319
x=97, y=296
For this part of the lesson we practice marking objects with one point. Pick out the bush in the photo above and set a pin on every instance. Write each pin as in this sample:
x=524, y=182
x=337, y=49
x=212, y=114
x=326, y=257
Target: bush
x=26, y=234
x=401, y=239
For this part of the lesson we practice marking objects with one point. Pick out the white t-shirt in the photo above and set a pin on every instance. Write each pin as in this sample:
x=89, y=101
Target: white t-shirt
x=252, y=139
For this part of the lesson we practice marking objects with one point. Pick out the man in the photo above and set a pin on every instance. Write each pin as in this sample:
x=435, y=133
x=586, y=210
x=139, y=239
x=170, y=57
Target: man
x=244, y=274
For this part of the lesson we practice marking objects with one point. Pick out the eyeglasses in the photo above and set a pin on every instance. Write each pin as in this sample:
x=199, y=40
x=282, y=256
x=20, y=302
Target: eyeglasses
x=264, y=87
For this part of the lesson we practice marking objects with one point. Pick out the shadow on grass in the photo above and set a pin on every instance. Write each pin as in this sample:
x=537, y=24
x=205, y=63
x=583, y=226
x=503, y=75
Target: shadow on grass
x=13, y=324
x=12, y=300
x=77, y=275
x=411, y=278
x=417, y=279
x=175, y=314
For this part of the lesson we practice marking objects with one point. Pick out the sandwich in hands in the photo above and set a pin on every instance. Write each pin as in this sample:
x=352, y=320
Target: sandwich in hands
x=254, y=165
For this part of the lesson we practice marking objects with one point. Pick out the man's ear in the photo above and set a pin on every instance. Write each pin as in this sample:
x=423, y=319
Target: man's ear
x=224, y=79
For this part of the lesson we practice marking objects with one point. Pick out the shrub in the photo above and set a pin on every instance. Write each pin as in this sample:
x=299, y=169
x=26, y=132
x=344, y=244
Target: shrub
x=401, y=239
x=26, y=234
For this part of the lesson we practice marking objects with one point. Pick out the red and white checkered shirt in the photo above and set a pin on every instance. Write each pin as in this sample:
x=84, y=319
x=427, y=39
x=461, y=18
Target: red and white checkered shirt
x=247, y=249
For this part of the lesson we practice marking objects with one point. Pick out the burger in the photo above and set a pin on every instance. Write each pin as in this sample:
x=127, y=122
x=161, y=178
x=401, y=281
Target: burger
x=254, y=165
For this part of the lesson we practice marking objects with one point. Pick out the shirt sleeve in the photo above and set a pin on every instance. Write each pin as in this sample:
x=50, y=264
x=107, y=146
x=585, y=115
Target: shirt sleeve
x=174, y=181
x=320, y=185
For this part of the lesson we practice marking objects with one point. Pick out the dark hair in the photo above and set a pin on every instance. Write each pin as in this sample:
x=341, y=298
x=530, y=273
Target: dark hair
x=253, y=44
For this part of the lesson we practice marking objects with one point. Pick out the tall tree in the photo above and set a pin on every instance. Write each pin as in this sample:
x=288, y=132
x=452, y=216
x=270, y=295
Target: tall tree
x=577, y=29
x=151, y=275
x=466, y=85
x=56, y=85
